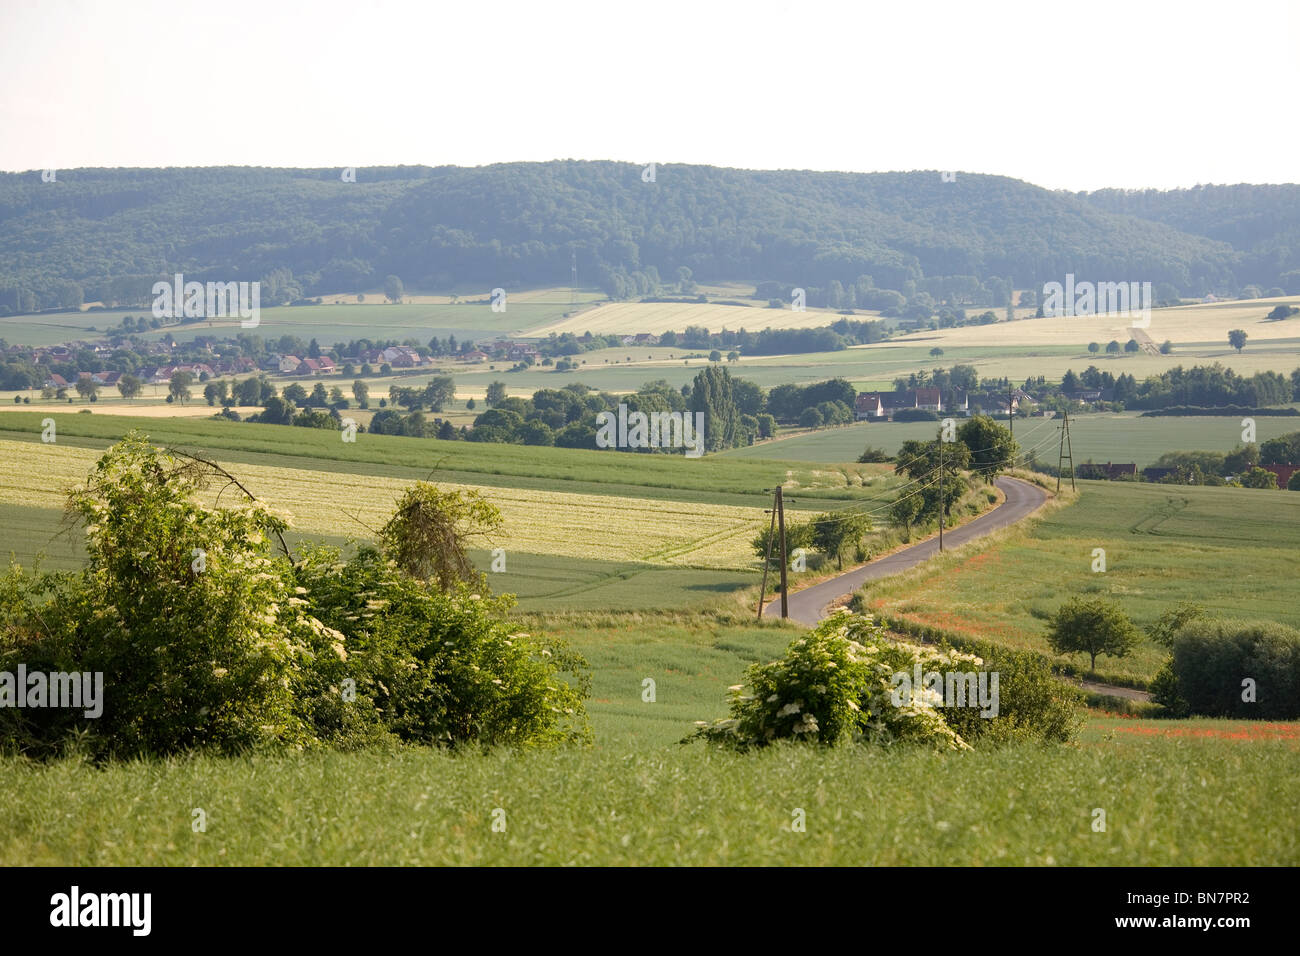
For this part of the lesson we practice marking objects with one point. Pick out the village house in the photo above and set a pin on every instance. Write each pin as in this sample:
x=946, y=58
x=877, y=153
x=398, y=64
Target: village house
x=868, y=407
x=1283, y=472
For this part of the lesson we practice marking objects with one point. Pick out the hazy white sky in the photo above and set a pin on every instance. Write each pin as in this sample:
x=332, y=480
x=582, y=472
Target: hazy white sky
x=1066, y=95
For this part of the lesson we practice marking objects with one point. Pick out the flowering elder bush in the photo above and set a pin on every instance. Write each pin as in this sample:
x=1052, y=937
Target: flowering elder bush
x=834, y=685
x=191, y=618
x=443, y=667
x=209, y=638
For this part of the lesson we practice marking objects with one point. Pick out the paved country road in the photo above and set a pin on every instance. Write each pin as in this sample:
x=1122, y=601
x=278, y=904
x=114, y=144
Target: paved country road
x=809, y=605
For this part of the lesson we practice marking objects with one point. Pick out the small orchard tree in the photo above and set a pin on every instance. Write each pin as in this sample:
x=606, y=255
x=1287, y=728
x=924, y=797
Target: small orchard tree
x=1237, y=339
x=87, y=388
x=1094, y=627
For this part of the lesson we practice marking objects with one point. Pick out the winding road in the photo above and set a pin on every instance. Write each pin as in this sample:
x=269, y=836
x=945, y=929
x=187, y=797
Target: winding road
x=809, y=605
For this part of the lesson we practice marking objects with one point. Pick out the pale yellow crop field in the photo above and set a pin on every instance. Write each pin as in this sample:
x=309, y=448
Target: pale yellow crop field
x=629, y=318
x=138, y=408
x=1209, y=322
x=539, y=522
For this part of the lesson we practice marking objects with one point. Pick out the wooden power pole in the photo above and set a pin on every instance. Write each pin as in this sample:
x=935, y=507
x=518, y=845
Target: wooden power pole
x=767, y=561
x=941, y=477
x=785, y=558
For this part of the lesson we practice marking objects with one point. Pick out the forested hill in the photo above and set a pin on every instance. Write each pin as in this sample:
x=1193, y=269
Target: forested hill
x=108, y=233
x=1263, y=222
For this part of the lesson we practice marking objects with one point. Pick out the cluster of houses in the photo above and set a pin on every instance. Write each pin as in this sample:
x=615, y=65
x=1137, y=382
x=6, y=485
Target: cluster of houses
x=882, y=406
x=511, y=351
x=293, y=365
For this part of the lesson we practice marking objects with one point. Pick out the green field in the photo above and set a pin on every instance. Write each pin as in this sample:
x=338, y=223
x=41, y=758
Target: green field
x=327, y=323
x=1101, y=437
x=710, y=478
x=1212, y=801
x=324, y=481
x=1228, y=549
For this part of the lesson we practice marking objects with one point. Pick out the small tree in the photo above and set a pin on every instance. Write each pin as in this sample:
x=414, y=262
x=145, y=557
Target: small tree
x=936, y=351
x=1094, y=627
x=178, y=389
x=1131, y=346
x=832, y=533
x=1112, y=347
x=1237, y=339
x=1094, y=347
x=429, y=534
x=496, y=393
x=361, y=392
x=87, y=388
x=1169, y=623
x=393, y=289
x=1166, y=347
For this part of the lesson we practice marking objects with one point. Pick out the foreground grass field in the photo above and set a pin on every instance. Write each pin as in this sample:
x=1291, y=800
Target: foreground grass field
x=1208, y=801
x=1228, y=549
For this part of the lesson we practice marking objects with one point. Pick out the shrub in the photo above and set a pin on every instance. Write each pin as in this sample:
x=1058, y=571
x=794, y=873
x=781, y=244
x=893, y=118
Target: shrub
x=832, y=686
x=915, y=415
x=838, y=684
x=872, y=455
x=1212, y=659
x=441, y=667
x=209, y=639
x=183, y=608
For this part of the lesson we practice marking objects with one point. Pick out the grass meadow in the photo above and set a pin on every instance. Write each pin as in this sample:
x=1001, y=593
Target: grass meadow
x=1101, y=437
x=1228, y=549
x=1168, y=800
x=661, y=617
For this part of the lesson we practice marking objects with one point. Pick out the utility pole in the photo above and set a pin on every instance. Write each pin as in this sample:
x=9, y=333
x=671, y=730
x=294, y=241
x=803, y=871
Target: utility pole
x=941, y=476
x=767, y=561
x=780, y=517
x=1066, y=453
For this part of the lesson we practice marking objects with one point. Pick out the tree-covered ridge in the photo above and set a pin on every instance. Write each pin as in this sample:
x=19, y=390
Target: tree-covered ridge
x=112, y=232
x=1262, y=222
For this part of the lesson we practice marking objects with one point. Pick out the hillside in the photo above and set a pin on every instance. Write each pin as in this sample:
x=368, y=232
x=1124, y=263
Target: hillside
x=107, y=234
x=1263, y=222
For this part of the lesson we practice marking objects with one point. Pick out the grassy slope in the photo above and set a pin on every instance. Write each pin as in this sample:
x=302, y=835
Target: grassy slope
x=709, y=479
x=1101, y=437
x=1229, y=549
x=1167, y=801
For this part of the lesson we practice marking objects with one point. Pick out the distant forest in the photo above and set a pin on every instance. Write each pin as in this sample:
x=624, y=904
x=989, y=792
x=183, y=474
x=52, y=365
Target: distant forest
x=108, y=234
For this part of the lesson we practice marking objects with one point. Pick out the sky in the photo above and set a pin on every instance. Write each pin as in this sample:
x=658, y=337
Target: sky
x=1074, y=96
